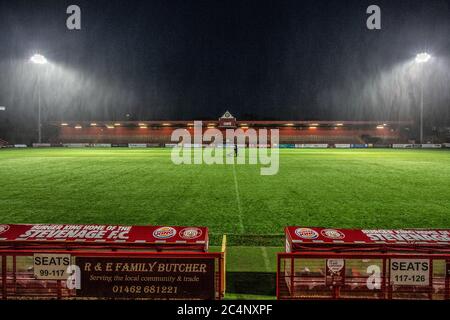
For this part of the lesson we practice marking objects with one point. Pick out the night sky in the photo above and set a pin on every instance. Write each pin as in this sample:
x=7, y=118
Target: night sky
x=194, y=59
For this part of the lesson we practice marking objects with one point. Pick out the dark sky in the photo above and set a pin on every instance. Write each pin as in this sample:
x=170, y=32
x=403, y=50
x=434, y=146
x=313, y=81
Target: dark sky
x=193, y=59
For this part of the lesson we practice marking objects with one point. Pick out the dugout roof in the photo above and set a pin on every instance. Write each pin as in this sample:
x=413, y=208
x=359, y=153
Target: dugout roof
x=106, y=235
x=309, y=238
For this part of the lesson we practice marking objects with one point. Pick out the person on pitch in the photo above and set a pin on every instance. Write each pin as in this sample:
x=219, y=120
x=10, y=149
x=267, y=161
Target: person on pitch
x=235, y=150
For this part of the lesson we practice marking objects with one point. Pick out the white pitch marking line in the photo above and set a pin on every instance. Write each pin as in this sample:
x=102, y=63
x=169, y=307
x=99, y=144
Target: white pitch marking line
x=238, y=200
x=266, y=258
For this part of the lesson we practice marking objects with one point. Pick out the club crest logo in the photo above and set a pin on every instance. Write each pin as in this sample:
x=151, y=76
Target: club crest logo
x=190, y=233
x=306, y=233
x=3, y=228
x=164, y=233
x=332, y=234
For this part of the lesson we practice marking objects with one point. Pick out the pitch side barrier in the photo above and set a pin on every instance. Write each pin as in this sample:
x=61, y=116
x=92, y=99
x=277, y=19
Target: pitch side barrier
x=322, y=263
x=108, y=262
x=281, y=146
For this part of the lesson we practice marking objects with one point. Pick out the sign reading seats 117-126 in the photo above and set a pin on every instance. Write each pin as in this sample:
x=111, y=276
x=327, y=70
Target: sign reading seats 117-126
x=410, y=272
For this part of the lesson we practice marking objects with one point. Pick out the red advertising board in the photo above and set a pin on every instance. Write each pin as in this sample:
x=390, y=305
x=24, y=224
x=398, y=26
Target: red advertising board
x=161, y=238
x=314, y=238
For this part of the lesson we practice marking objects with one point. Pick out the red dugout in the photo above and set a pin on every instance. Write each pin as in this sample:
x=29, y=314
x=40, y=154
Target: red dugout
x=322, y=263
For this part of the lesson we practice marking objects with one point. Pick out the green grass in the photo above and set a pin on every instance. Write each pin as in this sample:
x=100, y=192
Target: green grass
x=333, y=188
x=370, y=188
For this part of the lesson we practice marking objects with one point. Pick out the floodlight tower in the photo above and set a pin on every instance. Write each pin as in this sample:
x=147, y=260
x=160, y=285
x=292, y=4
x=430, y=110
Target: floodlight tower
x=39, y=60
x=422, y=58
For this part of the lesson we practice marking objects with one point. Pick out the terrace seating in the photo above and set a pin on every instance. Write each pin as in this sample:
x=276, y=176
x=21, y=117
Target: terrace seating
x=3, y=143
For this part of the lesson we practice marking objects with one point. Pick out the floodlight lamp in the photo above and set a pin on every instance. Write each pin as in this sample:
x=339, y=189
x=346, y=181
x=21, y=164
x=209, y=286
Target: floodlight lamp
x=38, y=59
x=423, y=57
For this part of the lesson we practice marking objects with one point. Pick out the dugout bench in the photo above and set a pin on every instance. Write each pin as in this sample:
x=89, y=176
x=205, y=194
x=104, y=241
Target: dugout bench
x=108, y=262
x=325, y=263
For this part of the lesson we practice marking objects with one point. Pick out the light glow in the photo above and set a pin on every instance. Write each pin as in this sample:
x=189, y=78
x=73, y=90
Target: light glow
x=38, y=59
x=423, y=57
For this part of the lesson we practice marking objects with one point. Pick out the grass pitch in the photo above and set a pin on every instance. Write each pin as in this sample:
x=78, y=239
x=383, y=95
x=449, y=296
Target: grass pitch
x=369, y=188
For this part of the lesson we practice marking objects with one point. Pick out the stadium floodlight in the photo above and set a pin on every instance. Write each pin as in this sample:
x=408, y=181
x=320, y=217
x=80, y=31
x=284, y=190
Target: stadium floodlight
x=40, y=60
x=64, y=124
x=339, y=124
x=93, y=124
x=117, y=124
x=78, y=127
x=289, y=124
x=422, y=57
x=380, y=127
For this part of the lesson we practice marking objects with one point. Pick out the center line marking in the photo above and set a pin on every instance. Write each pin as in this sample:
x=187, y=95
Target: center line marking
x=238, y=200
x=266, y=258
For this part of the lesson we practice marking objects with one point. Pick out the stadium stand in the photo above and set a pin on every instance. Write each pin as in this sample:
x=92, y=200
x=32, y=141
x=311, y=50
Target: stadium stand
x=3, y=143
x=297, y=132
x=161, y=135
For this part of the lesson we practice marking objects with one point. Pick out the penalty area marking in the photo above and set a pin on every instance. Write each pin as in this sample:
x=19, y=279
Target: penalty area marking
x=238, y=200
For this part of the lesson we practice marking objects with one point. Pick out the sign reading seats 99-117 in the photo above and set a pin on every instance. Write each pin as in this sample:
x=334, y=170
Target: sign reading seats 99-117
x=50, y=266
x=148, y=278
